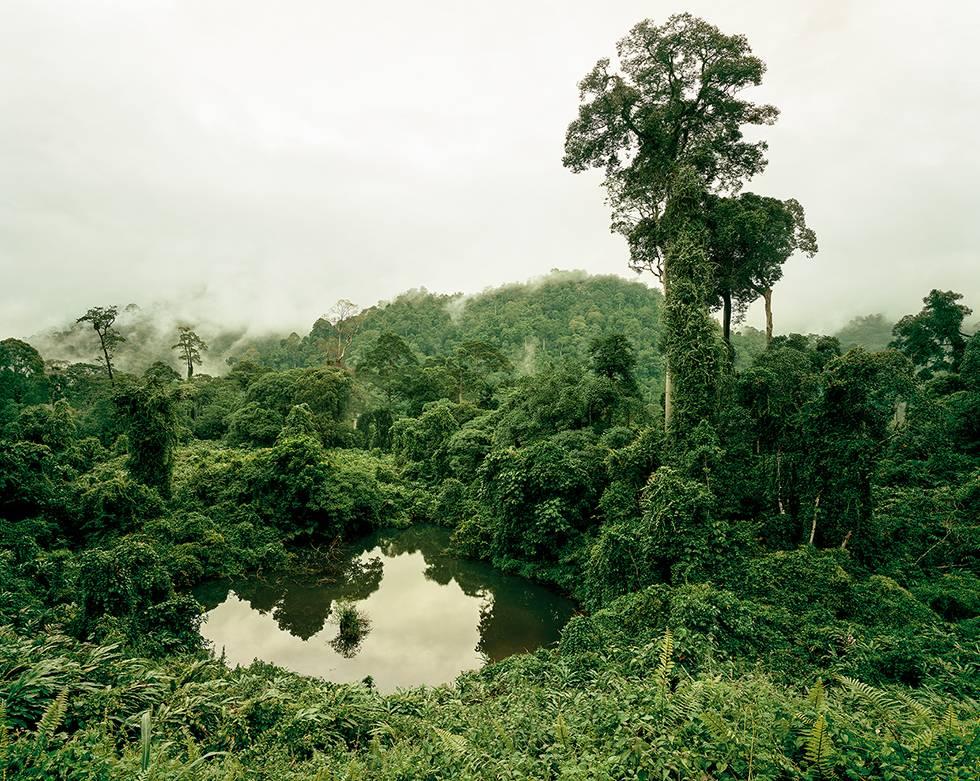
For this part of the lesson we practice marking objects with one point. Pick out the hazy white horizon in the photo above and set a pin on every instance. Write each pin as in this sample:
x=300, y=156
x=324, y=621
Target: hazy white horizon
x=252, y=163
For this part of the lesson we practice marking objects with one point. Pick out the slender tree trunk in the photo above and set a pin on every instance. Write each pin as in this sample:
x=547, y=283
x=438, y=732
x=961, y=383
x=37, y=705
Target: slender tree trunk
x=668, y=377
x=813, y=525
x=767, y=295
x=190, y=368
x=779, y=481
x=726, y=317
x=108, y=363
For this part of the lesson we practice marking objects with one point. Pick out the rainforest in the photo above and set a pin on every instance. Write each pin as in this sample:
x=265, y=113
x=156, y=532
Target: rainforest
x=582, y=527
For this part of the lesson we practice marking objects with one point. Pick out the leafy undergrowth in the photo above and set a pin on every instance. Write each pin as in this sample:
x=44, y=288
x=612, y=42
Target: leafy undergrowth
x=81, y=713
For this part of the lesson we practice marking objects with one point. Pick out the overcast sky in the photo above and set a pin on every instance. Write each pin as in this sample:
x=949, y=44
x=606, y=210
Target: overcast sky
x=256, y=161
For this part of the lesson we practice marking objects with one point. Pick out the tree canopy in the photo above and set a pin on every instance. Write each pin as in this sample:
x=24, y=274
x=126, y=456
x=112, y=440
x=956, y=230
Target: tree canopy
x=675, y=99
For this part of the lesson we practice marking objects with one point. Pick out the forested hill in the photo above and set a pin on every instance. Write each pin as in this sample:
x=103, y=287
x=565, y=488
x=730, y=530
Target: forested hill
x=532, y=324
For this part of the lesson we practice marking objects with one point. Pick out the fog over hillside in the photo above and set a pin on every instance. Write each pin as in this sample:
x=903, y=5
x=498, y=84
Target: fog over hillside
x=250, y=166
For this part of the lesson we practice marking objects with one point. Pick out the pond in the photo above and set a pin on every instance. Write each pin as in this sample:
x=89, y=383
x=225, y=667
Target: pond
x=427, y=615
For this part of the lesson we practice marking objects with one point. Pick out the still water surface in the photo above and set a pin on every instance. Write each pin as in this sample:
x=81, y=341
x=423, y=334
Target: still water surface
x=431, y=615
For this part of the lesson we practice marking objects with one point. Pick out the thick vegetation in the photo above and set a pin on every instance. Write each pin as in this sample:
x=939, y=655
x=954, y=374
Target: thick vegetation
x=773, y=540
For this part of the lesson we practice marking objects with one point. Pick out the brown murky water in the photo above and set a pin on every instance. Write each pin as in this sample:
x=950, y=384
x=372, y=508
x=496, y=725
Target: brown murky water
x=431, y=615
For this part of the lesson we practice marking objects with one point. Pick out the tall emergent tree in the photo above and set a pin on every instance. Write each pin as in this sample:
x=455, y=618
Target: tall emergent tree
x=933, y=339
x=343, y=316
x=102, y=319
x=189, y=347
x=673, y=102
x=690, y=336
x=751, y=237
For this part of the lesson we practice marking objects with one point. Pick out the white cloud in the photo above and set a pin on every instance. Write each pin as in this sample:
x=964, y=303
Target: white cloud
x=281, y=156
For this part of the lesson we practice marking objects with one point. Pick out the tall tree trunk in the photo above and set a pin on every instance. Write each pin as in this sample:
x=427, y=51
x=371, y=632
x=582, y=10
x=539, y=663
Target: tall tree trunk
x=190, y=368
x=813, y=525
x=668, y=378
x=726, y=317
x=767, y=295
x=108, y=363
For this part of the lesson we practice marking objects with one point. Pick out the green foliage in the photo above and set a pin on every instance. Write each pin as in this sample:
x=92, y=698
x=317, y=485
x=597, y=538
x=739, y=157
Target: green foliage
x=933, y=339
x=151, y=422
x=51, y=721
x=675, y=101
x=676, y=536
x=352, y=626
x=127, y=589
x=254, y=425
x=424, y=440
x=102, y=320
x=22, y=379
x=539, y=497
x=750, y=237
x=110, y=501
x=52, y=425
x=269, y=398
x=31, y=482
x=189, y=347
x=694, y=356
x=814, y=519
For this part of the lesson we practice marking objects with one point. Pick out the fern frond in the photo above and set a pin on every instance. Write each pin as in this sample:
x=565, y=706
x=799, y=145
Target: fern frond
x=923, y=713
x=818, y=749
x=817, y=695
x=720, y=731
x=145, y=741
x=950, y=724
x=562, y=732
x=666, y=658
x=879, y=699
x=190, y=745
x=4, y=742
x=684, y=704
x=383, y=729
x=923, y=739
x=54, y=714
x=806, y=718
x=457, y=744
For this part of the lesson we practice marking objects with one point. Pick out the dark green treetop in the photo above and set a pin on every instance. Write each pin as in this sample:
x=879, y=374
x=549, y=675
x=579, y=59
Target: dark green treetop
x=933, y=339
x=674, y=101
x=751, y=237
x=189, y=347
x=102, y=319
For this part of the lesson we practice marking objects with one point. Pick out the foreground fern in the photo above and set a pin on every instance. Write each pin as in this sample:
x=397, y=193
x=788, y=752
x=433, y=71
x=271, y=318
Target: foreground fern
x=4, y=742
x=666, y=664
x=819, y=750
x=54, y=714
